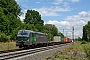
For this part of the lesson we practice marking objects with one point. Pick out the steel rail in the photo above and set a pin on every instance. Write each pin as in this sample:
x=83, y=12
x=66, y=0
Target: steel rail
x=26, y=52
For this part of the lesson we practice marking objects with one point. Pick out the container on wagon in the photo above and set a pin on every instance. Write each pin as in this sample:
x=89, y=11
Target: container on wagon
x=57, y=39
x=66, y=39
x=62, y=39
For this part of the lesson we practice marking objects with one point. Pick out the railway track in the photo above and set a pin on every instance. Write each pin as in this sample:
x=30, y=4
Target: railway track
x=11, y=55
x=7, y=51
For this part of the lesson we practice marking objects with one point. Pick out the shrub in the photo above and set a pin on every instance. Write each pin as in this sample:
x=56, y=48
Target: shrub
x=4, y=37
x=83, y=42
x=87, y=50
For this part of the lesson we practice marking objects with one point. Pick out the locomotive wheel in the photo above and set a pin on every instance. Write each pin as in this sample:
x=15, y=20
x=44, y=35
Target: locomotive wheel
x=20, y=46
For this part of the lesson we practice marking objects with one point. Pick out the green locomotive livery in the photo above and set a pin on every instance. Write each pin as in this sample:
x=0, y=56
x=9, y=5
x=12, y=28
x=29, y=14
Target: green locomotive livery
x=28, y=38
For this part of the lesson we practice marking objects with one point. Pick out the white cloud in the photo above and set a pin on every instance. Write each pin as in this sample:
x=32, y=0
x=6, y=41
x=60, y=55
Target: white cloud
x=52, y=11
x=78, y=21
x=56, y=2
x=23, y=15
x=21, y=0
x=45, y=11
x=16, y=0
x=73, y=1
x=38, y=2
x=66, y=4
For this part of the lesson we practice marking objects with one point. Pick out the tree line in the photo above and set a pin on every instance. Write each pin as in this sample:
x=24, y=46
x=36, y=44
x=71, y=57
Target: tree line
x=86, y=32
x=10, y=22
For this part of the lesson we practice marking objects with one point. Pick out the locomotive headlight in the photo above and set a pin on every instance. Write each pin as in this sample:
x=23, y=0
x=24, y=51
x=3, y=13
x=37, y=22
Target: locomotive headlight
x=28, y=40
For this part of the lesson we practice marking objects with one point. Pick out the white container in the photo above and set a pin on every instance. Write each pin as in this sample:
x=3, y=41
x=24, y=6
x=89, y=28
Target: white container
x=57, y=39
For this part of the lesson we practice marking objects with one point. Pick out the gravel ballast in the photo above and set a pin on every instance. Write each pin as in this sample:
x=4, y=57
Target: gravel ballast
x=43, y=54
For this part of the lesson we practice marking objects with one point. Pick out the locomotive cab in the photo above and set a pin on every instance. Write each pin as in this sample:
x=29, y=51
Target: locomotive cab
x=23, y=38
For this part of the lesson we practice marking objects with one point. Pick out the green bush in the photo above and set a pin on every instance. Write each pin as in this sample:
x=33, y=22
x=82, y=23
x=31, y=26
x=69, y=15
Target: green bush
x=4, y=37
x=83, y=42
x=87, y=50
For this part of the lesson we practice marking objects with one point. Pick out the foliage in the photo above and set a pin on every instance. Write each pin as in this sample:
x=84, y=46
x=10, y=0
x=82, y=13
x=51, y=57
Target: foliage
x=13, y=23
x=33, y=17
x=51, y=30
x=74, y=52
x=10, y=7
x=87, y=50
x=9, y=20
x=83, y=42
x=79, y=39
x=3, y=21
x=10, y=23
x=39, y=27
x=4, y=37
x=60, y=34
x=86, y=32
x=57, y=56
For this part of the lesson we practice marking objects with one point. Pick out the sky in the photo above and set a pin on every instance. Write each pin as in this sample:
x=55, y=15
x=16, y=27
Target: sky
x=64, y=14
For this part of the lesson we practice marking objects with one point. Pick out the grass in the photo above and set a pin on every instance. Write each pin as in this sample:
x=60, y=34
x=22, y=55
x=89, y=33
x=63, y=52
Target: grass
x=77, y=51
x=8, y=46
x=87, y=49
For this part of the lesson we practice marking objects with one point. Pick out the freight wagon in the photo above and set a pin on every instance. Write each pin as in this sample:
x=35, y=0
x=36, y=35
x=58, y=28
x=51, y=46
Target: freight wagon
x=67, y=40
x=58, y=39
x=62, y=39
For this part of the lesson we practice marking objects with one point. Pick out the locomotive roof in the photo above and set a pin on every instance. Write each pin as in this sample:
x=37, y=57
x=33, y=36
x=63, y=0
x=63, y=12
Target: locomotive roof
x=33, y=32
x=26, y=30
x=40, y=33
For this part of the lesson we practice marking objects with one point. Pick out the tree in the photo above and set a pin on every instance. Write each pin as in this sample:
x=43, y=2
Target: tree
x=79, y=39
x=10, y=7
x=9, y=15
x=3, y=21
x=51, y=30
x=33, y=17
x=9, y=20
x=60, y=34
x=86, y=32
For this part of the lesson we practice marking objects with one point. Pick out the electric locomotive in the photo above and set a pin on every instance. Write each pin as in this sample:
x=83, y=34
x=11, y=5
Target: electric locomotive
x=28, y=38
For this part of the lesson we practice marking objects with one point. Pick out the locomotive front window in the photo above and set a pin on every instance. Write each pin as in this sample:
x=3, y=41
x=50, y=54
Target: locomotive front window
x=23, y=33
